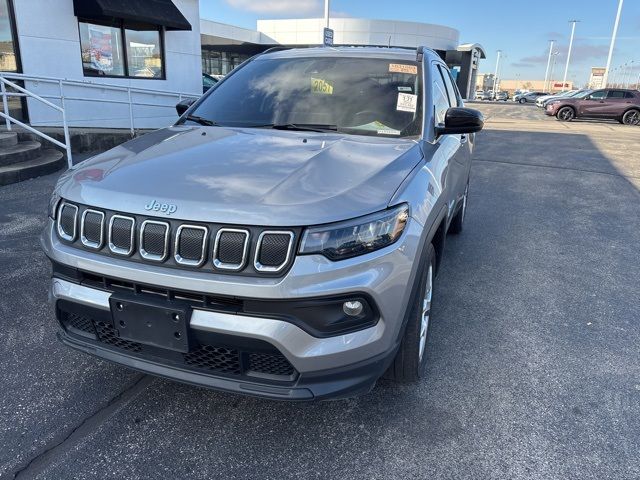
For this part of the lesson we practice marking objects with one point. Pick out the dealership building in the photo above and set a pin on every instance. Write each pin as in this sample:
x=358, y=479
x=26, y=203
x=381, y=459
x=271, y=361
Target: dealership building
x=116, y=64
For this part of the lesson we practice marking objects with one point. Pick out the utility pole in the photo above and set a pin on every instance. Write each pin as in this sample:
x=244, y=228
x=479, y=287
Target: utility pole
x=613, y=42
x=546, y=73
x=326, y=13
x=553, y=66
x=495, y=77
x=566, y=68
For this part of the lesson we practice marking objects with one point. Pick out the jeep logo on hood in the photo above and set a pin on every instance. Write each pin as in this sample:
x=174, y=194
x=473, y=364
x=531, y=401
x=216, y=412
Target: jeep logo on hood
x=166, y=208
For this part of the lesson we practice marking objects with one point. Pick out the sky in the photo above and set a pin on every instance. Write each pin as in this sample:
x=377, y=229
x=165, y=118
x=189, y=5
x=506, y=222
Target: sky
x=521, y=29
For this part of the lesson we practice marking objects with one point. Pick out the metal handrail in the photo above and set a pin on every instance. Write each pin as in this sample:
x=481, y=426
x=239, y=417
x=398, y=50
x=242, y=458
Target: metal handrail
x=61, y=83
x=8, y=118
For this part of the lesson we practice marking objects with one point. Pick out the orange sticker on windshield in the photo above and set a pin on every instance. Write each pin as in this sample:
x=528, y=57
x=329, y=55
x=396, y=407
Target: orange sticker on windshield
x=401, y=68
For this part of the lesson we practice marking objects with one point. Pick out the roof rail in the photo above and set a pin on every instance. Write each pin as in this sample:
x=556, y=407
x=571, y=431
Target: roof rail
x=277, y=48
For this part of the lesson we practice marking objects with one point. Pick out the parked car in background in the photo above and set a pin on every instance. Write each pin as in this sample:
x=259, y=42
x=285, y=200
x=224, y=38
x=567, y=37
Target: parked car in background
x=616, y=104
x=207, y=82
x=483, y=96
x=540, y=100
x=286, y=238
x=530, y=97
x=576, y=94
x=479, y=94
x=502, y=96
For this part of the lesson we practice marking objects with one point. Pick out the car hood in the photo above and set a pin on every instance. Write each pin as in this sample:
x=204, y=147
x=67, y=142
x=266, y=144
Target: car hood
x=244, y=176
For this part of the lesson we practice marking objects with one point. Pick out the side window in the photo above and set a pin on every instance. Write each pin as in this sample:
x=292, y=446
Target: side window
x=599, y=95
x=628, y=95
x=615, y=94
x=440, y=99
x=451, y=88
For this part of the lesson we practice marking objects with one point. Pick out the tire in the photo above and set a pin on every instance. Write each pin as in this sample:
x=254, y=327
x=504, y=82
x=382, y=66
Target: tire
x=455, y=226
x=522, y=100
x=566, y=114
x=632, y=117
x=409, y=365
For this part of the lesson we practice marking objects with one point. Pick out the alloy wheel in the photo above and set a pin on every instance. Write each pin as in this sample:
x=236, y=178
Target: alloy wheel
x=565, y=114
x=426, y=313
x=632, y=118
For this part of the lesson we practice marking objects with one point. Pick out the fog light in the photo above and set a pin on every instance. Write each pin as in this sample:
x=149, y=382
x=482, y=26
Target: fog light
x=353, y=308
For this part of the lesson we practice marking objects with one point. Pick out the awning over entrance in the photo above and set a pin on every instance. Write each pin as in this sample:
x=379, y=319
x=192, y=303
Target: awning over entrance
x=151, y=12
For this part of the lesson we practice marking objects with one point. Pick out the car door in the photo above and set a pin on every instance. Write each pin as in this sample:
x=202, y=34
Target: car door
x=457, y=146
x=593, y=105
x=616, y=103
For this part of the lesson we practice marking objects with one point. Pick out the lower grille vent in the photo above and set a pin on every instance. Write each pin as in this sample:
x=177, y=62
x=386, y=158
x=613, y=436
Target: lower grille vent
x=270, y=363
x=107, y=334
x=220, y=359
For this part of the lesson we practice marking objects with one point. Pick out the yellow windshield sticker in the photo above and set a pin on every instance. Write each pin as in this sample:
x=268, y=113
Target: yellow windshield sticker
x=321, y=86
x=401, y=68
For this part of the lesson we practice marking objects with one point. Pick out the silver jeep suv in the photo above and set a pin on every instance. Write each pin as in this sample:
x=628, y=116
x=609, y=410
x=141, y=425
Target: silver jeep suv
x=282, y=238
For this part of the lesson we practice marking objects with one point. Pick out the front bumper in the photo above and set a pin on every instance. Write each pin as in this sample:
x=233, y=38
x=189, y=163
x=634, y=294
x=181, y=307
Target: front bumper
x=551, y=110
x=336, y=366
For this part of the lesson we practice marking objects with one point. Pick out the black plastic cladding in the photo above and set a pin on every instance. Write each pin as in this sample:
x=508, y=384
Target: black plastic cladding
x=248, y=270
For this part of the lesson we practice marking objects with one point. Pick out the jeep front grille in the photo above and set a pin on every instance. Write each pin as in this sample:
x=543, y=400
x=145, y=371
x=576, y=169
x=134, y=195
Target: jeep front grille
x=208, y=247
x=121, y=234
x=191, y=244
x=154, y=240
x=274, y=249
x=92, y=228
x=67, y=221
x=230, y=249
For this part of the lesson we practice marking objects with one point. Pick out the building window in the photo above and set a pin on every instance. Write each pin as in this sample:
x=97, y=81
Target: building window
x=116, y=51
x=144, y=56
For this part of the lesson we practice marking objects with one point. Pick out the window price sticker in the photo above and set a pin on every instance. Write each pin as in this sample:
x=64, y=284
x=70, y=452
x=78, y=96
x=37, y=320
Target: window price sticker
x=401, y=68
x=321, y=86
x=407, y=102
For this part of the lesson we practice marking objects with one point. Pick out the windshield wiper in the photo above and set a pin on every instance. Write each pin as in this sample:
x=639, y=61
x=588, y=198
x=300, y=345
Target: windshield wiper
x=303, y=127
x=201, y=120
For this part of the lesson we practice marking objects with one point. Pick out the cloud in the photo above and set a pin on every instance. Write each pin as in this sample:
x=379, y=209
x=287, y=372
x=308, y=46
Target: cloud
x=279, y=7
x=581, y=52
x=522, y=65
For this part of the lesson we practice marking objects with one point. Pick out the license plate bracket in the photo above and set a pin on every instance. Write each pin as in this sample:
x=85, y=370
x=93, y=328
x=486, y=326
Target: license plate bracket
x=150, y=321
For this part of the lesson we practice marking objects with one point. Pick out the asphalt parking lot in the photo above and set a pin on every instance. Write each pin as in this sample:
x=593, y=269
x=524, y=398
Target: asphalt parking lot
x=534, y=356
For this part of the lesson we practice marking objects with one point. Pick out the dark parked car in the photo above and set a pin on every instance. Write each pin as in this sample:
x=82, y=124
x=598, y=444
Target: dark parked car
x=207, y=82
x=616, y=104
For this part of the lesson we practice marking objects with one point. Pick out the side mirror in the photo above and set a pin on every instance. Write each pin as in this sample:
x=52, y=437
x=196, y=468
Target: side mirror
x=184, y=105
x=461, y=120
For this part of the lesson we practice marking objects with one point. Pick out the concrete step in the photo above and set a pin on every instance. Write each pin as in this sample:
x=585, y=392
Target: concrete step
x=21, y=152
x=8, y=139
x=49, y=161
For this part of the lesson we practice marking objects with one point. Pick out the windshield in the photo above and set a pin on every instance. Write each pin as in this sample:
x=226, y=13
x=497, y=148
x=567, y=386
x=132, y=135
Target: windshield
x=363, y=96
x=582, y=93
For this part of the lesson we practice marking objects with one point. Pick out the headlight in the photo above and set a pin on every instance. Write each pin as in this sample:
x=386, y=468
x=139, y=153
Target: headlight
x=53, y=205
x=351, y=238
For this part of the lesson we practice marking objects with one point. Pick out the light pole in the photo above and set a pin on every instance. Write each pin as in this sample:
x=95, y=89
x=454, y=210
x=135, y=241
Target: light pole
x=613, y=42
x=546, y=73
x=553, y=67
x=625, y=71
x=566, y=68
x=495, y=77
x=326, y=13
